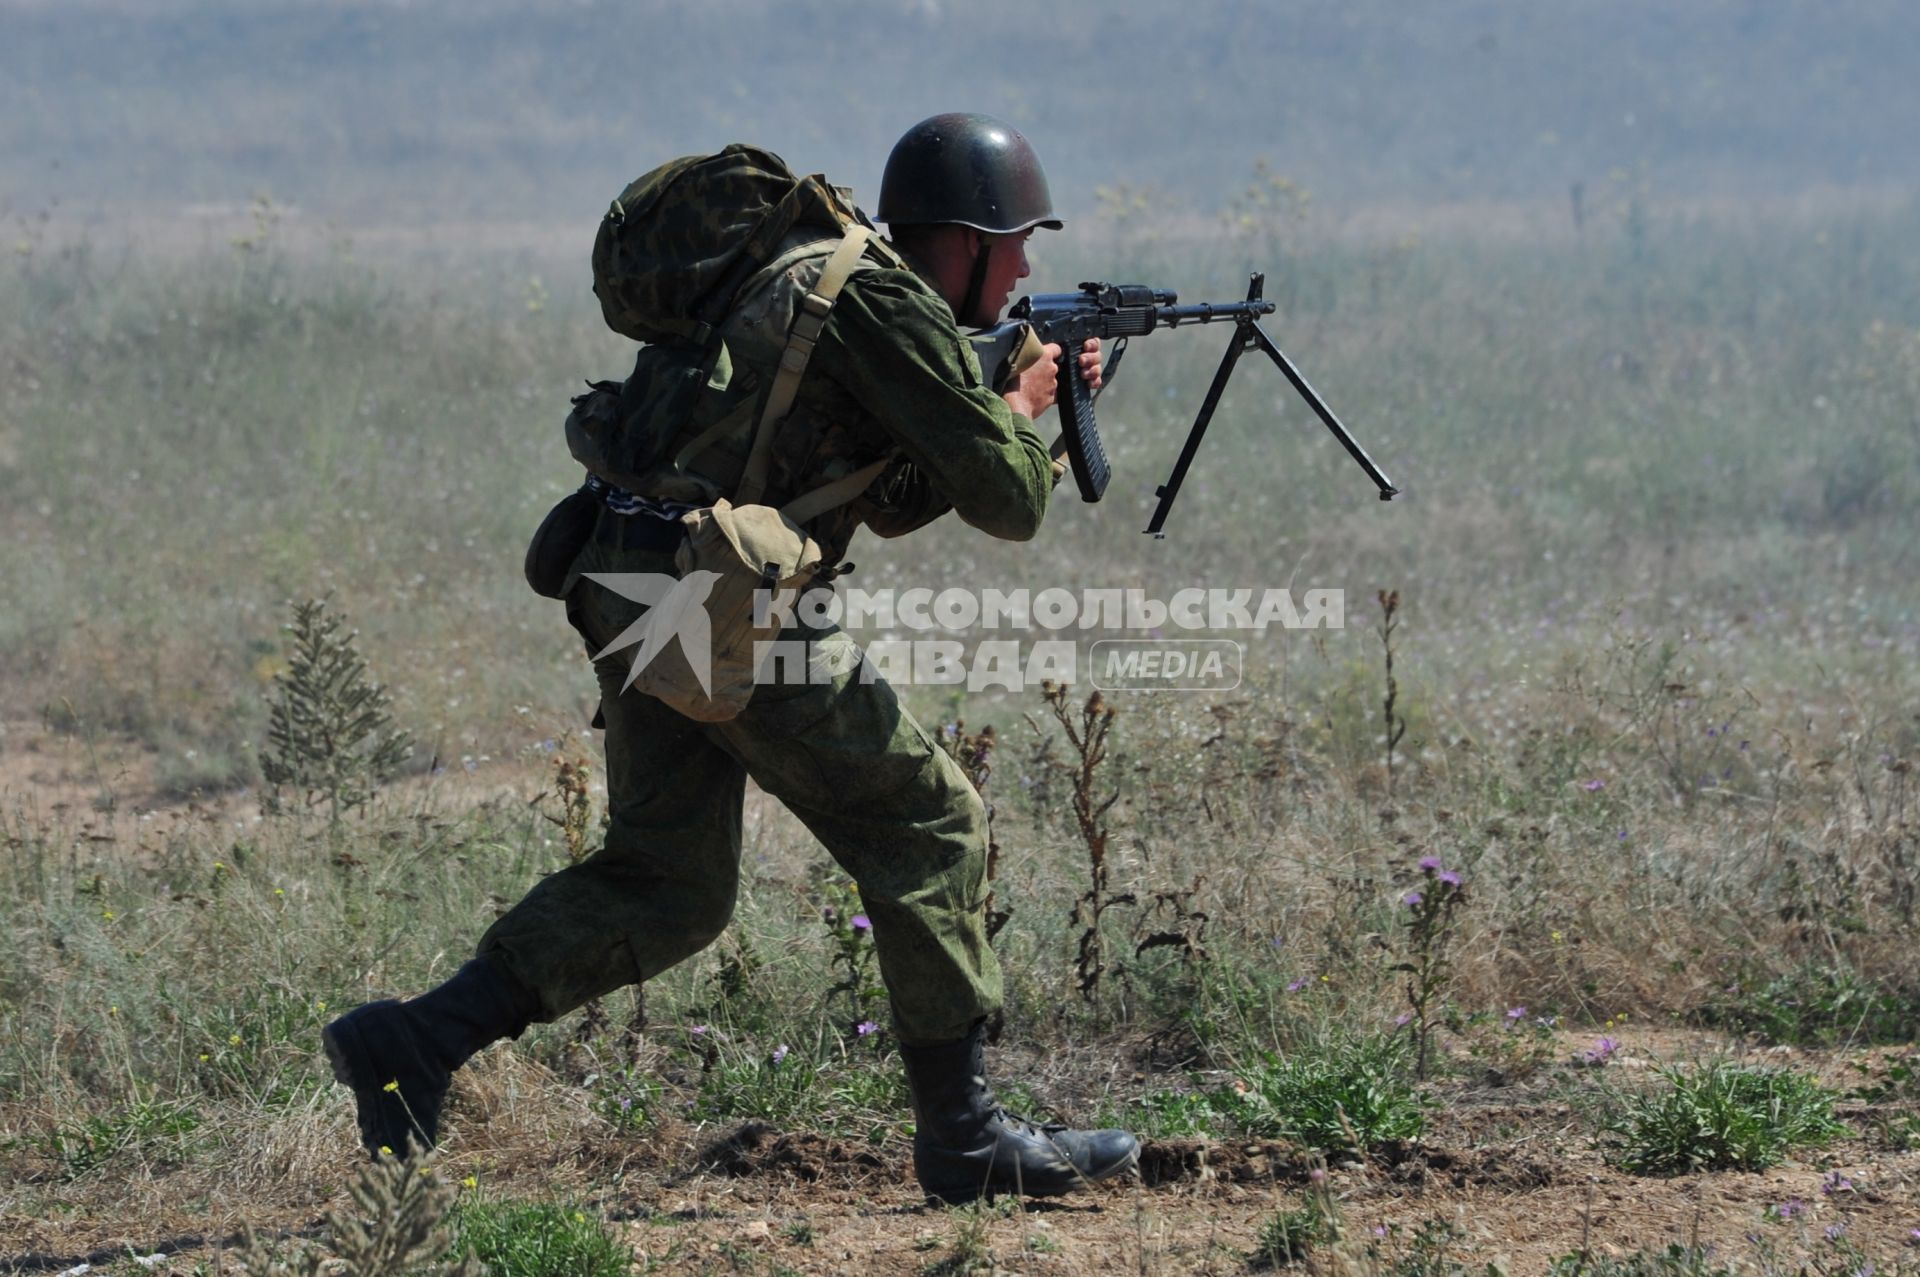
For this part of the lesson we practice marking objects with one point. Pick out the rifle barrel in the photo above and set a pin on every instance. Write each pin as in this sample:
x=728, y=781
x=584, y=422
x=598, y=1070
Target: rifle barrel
x=1208, y=312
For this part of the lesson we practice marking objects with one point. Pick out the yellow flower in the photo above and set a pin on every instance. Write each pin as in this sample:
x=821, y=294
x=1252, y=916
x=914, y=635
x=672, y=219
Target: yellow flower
x=319, y=1006
x=234, y=1040
x=217, y=865
x=203, y=1057
x=470, y=1182
x=278, y=892
x=392, y=1086
x=107, y=914
x=113, y=1010
x=385, y=1151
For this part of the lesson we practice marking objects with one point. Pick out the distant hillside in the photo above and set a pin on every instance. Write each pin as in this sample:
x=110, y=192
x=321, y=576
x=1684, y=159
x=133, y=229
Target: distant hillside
x=482, y=108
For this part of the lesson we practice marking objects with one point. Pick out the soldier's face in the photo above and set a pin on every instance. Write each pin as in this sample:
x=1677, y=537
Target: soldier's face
x=1006, y=267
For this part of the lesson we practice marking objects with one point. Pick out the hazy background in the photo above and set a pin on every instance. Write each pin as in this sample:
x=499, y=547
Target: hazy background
x=365, y=112
x=297, y=292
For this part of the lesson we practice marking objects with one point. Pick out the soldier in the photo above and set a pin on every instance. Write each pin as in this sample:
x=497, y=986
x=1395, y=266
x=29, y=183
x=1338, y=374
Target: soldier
x=890, y=375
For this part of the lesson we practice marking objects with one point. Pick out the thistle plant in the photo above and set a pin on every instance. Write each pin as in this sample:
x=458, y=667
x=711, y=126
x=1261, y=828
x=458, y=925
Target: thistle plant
x=1396, y=725
x=850, y=932
x=974, y=752
x=330, y=730
x=1087, y=730
x=1428, y=921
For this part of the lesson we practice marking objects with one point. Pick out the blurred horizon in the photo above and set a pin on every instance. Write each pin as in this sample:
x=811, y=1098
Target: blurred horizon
x=361, y=113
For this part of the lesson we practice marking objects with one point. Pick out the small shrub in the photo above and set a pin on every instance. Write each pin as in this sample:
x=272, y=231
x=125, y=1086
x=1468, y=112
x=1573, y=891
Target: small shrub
x=1720, y=1116
x=401, y=1229
x=330, y=731
x=1289, y=1235
x=1351, y=1095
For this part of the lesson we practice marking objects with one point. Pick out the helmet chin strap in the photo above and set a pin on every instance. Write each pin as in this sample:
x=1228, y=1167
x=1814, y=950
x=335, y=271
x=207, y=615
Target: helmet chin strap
x=977, y=283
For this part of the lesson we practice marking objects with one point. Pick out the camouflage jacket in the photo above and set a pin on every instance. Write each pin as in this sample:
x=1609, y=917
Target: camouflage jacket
x=893, y=372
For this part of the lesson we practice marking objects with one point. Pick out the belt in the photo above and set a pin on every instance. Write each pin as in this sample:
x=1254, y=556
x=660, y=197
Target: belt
x=638, y=532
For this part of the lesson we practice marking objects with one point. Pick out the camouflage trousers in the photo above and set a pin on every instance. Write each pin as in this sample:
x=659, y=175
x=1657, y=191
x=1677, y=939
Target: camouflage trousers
x=843, y=755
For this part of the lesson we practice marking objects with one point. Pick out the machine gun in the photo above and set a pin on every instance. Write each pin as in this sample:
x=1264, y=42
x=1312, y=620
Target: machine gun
x=1118, y=312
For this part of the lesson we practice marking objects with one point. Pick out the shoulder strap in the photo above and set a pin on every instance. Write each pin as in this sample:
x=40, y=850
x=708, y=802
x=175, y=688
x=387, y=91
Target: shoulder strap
x=801, y=338
x=828, y=496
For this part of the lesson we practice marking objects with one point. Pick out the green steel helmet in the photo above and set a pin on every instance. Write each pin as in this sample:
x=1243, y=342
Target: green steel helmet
x=967, y=169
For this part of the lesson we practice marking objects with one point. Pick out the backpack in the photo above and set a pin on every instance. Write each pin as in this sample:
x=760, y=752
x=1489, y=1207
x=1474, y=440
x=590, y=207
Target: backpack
x=707, y=260
x=726, y=267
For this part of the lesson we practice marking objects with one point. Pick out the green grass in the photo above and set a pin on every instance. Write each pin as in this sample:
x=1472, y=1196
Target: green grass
x=1720, y=1116
x=1352, y=1094
x=528, y=1239
x=1675, y=1261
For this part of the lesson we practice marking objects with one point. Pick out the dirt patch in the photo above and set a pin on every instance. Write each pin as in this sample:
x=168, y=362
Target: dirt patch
x=757, y=1149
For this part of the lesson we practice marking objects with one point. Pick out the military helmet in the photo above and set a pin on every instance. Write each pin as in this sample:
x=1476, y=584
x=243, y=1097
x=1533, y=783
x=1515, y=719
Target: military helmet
x=967, y=169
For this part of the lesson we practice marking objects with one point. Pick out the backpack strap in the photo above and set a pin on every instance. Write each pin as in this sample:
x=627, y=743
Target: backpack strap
x=801, y=338
x=828, y=496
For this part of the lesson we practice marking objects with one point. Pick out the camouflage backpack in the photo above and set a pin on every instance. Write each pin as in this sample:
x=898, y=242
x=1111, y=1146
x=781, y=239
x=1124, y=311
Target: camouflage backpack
x=727, y=267
x=706, y=259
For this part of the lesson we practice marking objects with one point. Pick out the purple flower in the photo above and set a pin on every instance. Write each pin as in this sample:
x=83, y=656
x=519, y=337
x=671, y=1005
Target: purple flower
x=827, y=915
x=1402, y=1020
x=1516, y=1014
x=1451, y=878
x=1380, y=1230
x=1297, y=985
x=1834, y=1232
x=865, y=1027
x=1792, y=1208
x=862, y=923
x=698, y=1028
x=626, y=1104
x=780, y=1053
x=1411, y=899
x=1430, y=864
x=1913, y=1237
x=1622, y=835
x=1600, y=1052
x=1835, y=1182
x=1594, y=786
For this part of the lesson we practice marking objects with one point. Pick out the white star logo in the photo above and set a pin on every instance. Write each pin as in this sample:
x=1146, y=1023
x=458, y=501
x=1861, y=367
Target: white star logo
x=676, y=609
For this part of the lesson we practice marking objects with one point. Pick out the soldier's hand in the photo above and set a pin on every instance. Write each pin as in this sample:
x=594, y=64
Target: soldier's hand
x=1090, y=363
x=1038, y=384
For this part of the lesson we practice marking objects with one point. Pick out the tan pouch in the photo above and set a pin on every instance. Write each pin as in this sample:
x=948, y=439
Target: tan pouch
x=731, y=554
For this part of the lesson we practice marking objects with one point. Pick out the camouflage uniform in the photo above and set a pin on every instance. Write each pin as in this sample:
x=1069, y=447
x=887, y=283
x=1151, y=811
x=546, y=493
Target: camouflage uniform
x=891, y=372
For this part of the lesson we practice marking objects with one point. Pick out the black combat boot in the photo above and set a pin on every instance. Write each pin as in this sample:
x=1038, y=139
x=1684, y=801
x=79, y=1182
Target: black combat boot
x=399, y=1057
x=966, y=1146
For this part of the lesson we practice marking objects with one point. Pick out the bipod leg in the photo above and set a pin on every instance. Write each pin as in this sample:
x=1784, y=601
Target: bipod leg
x=1171, y=488
x=1259, y=338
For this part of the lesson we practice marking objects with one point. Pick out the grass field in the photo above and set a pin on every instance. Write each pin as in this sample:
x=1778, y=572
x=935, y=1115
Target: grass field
x=1655, y=652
